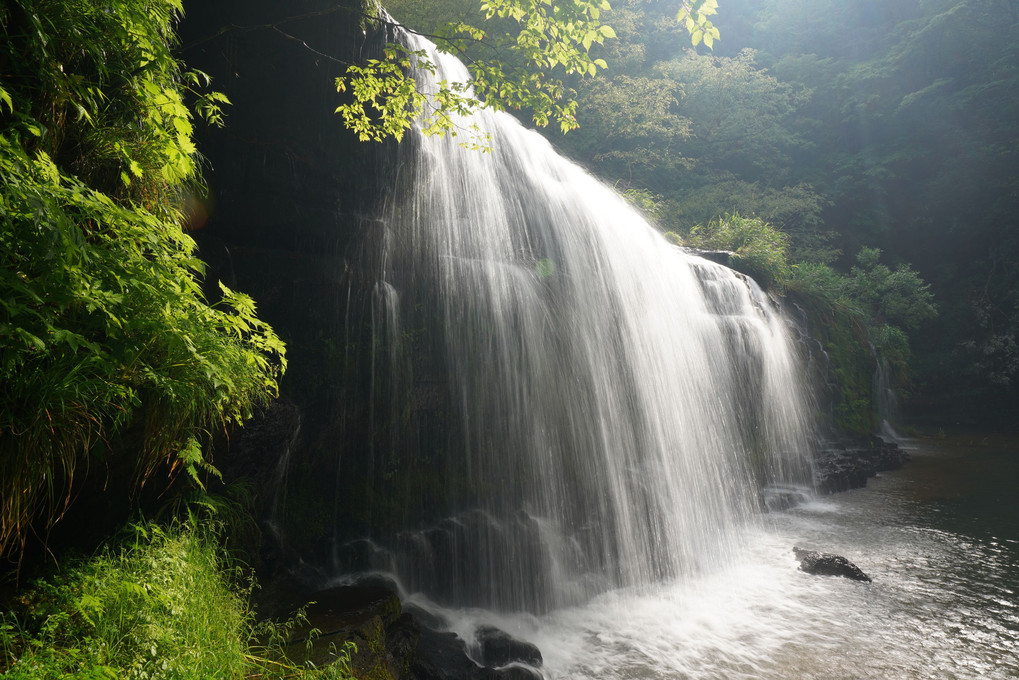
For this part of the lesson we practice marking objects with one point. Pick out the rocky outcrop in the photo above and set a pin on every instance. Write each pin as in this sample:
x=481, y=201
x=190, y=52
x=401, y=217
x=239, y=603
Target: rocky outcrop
x=722, y=257
x=443, y=656
x=848, y=464
x=390, y=643
x=499, y=648
x=827, y=564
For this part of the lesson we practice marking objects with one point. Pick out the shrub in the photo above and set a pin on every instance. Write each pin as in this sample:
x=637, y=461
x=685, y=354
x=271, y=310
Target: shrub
x=758, y=248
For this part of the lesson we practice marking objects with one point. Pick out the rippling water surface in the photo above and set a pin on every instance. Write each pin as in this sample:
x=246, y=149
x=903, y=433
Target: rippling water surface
x=940, y=538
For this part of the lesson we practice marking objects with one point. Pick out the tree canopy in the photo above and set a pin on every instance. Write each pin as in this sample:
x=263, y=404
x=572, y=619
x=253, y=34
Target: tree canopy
x=846, y=125
x=520, y=54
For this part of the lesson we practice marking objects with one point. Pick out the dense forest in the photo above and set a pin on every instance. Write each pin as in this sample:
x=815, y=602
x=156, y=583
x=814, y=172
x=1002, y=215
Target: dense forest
x=852, y=128
x=856, y=157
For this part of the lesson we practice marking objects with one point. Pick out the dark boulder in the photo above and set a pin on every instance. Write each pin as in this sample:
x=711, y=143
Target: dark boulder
x=438, y=655
x=442, y=656
x=722, y=257
x=390, y=643
x=512, y=672
x=827, y=564
x=778, y=497
x=499, y=648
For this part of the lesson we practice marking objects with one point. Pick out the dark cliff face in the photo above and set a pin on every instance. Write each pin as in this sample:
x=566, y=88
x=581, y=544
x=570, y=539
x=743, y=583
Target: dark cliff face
x=291, y=191
x=292, y=220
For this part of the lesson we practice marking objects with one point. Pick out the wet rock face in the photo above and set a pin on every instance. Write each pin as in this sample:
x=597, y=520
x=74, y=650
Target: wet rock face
x=291, y=219
x=827, y=564
x=848, y=465
x=391, y=643
x=443, y=656
x=499, y=648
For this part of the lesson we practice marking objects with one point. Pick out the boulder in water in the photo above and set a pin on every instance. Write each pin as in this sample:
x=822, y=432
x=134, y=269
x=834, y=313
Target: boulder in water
x=827, y=564
x=443, y=656
x=499, y=648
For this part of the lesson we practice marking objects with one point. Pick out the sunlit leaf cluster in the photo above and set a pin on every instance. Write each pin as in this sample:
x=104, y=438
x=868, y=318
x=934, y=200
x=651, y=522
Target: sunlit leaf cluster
x=694, y=15
x=382, y=97
x=524, y=53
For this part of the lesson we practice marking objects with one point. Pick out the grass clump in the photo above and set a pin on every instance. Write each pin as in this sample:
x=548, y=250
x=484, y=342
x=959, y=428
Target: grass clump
x=758, y=248
x=165, y=604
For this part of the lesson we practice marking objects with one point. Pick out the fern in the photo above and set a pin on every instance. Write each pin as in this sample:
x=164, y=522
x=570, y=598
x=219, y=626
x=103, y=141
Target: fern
x=102, y=320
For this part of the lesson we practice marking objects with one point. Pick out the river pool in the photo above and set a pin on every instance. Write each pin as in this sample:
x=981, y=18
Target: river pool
x=940, y=538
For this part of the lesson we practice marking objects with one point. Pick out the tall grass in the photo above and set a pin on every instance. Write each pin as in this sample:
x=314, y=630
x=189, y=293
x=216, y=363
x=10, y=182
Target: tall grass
x=163, y=605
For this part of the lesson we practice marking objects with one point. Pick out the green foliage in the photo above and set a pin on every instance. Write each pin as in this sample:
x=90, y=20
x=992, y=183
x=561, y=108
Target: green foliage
x=758, y=248
x=797, y=210
x=543, y=37
x=872, y=307
x=630, y=127
x=913, y=137
x=102, y=319
x=839, y=324
x=739, y=113
x=95, y=86
x=522, y=52
x=896, y=296
x=709, y=134
x=164, y=605
x=648, y=203
x=694, y=15
x=386, y=102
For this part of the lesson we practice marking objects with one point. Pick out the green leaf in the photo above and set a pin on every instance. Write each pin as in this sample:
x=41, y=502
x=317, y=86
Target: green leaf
x=30, y=339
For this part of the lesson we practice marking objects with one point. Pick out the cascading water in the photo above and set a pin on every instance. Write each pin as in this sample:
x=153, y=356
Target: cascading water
x=886, y=403
x=611, y=406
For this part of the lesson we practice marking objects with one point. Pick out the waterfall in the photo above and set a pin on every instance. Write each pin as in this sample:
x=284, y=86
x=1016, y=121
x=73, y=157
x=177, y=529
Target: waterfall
x=886, y=402
x=572, y=403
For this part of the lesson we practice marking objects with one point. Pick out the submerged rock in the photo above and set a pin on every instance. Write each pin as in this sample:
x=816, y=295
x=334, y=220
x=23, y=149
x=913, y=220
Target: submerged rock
x=827, y=564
